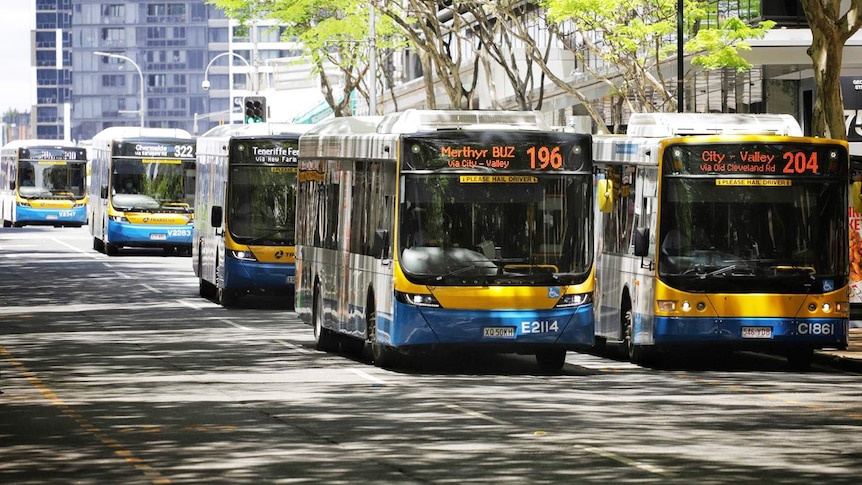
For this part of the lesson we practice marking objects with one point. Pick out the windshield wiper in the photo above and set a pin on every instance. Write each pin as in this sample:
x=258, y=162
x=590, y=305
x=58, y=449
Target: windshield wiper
x=727, y=269
x=460, y=270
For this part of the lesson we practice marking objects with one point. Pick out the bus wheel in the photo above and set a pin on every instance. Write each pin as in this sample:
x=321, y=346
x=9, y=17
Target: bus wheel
x=551, y=361
x=382, y=355
x=324, y=339
x=97, y=245
x=637, y=353
x=7, y=223
x=206, y=289
x=800, y=358
x=226, y=298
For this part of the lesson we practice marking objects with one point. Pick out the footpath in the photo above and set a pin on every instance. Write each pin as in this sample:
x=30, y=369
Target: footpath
x=848, y=359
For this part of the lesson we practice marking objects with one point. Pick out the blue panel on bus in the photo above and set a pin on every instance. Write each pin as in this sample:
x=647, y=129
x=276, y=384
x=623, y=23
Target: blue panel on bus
x=75, y=215
x=149, y=234
x=251, y=275
x=413, y=326
x=820, y=331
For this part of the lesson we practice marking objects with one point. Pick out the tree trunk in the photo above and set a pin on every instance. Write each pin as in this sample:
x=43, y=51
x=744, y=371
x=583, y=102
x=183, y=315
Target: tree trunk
x=827, y=118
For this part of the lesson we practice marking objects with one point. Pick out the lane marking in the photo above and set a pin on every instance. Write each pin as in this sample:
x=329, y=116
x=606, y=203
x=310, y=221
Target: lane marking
x=117, y=448
x=86, y=253
x=232, y=324
x=365, y=375
x=477, y=414
x=625, y=461
x=154, y=290
x=295, y=347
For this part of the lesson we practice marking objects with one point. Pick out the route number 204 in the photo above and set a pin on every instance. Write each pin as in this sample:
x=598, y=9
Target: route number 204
x=800, y=162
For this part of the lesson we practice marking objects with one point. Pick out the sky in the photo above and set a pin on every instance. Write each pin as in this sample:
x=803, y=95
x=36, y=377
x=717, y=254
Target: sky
x=16, y=20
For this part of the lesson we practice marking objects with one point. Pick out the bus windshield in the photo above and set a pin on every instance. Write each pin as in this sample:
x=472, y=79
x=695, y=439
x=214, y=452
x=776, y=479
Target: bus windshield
x=57, y=179
x=519, y=230
x=262, y=204
x=153, y=185
x=783, y=236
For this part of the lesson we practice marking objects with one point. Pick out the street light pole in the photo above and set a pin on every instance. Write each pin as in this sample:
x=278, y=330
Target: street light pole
x=680, y=59
x=140, y=74
x=206, y=83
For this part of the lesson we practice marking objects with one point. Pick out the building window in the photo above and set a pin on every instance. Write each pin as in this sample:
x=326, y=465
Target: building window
x=114, y=11
x=113, y=80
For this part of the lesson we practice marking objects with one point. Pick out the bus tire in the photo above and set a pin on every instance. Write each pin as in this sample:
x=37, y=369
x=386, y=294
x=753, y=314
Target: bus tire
x=7, y=223
x=325, y=339
x=97, y=245
x=206, y=289
x=800, y=358
x=638, y=354
x=381, y=355
x=551, y=361
x=226, y=298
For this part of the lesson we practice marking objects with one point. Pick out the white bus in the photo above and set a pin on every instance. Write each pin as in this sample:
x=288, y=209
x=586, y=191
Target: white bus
x=142, y=189
x=42, y=182
x=453, y=229
x=721, y=231
x=245, y=227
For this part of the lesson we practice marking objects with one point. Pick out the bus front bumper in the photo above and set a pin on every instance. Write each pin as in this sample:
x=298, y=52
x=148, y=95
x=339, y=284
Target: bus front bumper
x=149, y=235
x=72, y=216
x=503, y=329
x=746, y=332
x=256, y=277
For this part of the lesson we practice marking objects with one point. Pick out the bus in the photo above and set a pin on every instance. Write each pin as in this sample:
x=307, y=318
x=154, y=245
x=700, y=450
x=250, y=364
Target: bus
x=722, y=231
x=246, y=205
x=42, y=182
x=427, y=229
x=142, y=183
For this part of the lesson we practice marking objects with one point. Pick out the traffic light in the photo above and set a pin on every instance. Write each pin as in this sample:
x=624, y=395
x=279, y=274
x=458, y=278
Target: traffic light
x=255, y=109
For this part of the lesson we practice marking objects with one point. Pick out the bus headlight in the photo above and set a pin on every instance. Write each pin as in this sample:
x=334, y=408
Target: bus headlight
x=241, y=255
x=572, y=300
x=119, y=218
x=666, y=305
x=23, y=203
x=417, y=299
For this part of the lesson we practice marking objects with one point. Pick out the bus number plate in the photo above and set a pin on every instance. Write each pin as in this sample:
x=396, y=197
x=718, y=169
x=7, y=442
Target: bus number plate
x=158, y=237
x=498, y=332
x=756, y=332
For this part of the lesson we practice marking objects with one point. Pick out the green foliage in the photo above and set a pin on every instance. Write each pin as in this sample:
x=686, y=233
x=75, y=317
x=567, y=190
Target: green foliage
x=721, y=47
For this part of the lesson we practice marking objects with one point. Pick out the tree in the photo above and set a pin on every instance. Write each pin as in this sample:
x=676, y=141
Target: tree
x=830, y=30
x=623, y=44
x=334, y=35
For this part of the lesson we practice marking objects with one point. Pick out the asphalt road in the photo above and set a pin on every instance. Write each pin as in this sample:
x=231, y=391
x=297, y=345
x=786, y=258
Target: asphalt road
x=114, y=370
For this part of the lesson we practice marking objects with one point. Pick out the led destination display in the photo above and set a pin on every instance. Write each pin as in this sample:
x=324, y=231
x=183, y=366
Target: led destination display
x=497, y=152
x=782, y=160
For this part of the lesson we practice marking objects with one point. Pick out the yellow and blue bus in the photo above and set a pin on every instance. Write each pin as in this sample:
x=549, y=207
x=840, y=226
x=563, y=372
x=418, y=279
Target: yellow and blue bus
x=427, y=229
x=42, y=182
x=142, y=189
x=721, y=231
x=246, y=205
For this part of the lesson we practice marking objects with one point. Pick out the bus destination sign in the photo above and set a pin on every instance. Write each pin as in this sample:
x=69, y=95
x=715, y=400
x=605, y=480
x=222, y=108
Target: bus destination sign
x=156, y=150
x=265, y=152
x=778, y=159
x=497, y=152
x=53, y=154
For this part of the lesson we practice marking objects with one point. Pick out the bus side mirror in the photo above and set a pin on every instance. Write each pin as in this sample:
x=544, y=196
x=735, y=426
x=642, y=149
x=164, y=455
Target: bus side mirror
x=381, y=243
x=605, y=195
x=12, y=185
x=103, y=193
x=641, y=241
x=856, y=193
x=216, y=216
